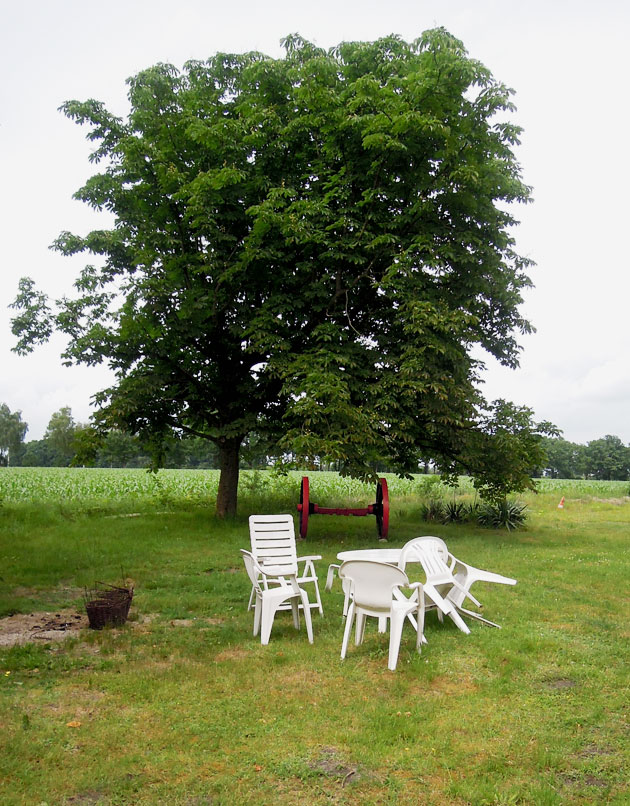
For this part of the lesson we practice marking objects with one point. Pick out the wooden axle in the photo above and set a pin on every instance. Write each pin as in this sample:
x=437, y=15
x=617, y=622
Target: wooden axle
x=380, y=509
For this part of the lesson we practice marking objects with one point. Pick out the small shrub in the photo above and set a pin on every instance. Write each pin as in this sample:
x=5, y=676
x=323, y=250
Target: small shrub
x=502, y=515
x=433, y=510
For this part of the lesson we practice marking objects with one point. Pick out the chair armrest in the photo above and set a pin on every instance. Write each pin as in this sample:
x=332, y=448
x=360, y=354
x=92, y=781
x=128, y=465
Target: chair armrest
x=330, y=576
x=308, y=557
x=273, y=570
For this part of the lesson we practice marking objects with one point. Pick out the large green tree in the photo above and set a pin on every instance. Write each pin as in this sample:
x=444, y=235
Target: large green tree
x=608, y=458
x=565, y=460
x=12, y=432
x=306, y=248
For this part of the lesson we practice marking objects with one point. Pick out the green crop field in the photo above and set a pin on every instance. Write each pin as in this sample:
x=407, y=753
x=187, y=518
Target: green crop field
x=183, y=706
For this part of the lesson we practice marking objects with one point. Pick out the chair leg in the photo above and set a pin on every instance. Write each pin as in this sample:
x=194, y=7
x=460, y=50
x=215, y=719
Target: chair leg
x=307, y=616
x=346, y=598
x=472, y=614
x=347, y=630
x=319, y=599
x=360, y=628
x=420, y=639
x=257, y=615
x=268, y=612
x=296, y=615
x=310, y=568
x=251, y=598
x=459, y=621
x=346, y=604
x=395, y=633
x=401, y=597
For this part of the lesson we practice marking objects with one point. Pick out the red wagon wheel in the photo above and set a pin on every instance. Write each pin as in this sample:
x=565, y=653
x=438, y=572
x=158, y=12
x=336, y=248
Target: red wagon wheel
x=381, y=509
x=304, y=507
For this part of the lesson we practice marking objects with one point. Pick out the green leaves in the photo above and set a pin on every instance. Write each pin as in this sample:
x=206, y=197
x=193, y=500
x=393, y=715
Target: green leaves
x=307, y=247
x=33, y=324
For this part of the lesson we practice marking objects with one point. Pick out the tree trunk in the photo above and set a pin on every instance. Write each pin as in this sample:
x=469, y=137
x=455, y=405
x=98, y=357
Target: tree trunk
x=229, y=451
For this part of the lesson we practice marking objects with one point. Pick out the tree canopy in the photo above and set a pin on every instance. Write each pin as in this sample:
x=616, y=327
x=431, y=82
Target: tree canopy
x=308, y=248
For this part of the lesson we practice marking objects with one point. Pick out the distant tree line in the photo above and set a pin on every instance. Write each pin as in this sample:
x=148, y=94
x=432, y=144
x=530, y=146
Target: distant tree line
x=605, y=459
x=67, y=442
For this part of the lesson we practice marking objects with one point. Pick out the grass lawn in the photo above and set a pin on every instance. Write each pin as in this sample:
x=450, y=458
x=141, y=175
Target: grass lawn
x=183, y=705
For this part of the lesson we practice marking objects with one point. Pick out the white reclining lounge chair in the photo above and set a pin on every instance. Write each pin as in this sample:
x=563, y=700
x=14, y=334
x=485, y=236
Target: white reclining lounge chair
x=273, y=543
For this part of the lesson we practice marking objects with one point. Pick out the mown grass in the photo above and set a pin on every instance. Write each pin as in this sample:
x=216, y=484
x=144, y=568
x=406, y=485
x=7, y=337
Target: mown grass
x=184, y=706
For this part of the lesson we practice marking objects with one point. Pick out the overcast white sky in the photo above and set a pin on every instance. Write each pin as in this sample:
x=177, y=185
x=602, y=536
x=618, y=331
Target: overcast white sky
x=566, y=60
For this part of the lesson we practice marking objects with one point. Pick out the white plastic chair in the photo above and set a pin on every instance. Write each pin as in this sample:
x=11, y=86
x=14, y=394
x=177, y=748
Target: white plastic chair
x=270, y=599
x=273, y=543
x=373, y=590
x=448, y=579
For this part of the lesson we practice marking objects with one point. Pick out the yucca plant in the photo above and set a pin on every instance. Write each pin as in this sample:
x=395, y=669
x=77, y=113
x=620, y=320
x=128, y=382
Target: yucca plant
x=502, y=515
x=455, y=511
x=433, y=510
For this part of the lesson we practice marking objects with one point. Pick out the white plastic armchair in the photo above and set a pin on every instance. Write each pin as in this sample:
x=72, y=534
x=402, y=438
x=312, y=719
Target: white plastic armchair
x=267, y=600
x=273, y=543
x=375, y=590
x=450, y=578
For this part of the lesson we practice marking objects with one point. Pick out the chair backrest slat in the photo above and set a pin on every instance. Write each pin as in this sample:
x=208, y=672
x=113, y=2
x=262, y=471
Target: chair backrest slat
x=273, y=541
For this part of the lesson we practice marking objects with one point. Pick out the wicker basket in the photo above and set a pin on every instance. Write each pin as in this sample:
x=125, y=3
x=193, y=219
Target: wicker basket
x=108, y=605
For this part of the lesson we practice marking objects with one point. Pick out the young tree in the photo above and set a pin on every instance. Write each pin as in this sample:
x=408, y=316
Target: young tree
x=305, y=248
x=12, y=433
x=61, y=434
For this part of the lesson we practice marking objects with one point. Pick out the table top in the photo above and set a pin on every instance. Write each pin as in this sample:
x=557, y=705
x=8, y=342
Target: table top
x=379, y=555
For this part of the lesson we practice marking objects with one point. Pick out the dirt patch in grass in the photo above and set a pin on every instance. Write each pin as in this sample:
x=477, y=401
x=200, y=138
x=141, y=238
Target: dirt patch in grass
x=559, y=683
x=572, y=779
x=235, y=653
x=24, y=628
x=330, y=763
x=444, y=686
x=594, y=750
x=87, y=798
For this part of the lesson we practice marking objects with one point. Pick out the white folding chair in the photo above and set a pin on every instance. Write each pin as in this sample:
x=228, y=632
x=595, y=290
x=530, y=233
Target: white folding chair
x=429, y=552
x=273, y=543
x=375, y=590
x=270, y=599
